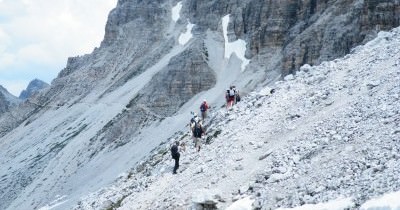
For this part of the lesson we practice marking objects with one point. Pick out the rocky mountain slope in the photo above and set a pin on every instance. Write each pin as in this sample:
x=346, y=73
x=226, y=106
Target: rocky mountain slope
x=328, y=135
x=107, y=110
x=7, y=100
x=34, y=87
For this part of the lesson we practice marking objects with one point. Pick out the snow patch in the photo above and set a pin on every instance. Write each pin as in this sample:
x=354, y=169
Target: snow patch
x=388, y=201
x=185, y=37
x=238, y=47
x=176, y=10
x=338, y=204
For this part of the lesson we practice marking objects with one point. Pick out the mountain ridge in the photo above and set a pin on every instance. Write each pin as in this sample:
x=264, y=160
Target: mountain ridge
x=137, y=89
x=327, y=138
x=7, y=100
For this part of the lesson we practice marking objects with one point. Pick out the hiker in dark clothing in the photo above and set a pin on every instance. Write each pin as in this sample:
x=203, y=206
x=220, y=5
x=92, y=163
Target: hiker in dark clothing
x=237, y=96
x=198, y=132
x=175, y=155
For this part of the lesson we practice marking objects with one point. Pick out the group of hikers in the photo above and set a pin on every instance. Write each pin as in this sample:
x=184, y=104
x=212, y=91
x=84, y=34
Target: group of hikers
x=232, y=96
x=196, y=125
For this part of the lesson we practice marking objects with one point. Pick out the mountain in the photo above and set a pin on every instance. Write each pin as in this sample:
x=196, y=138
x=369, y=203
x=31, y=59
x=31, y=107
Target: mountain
x=106, y=111
x=326, y=139
x=7, y=100
x=33, y=87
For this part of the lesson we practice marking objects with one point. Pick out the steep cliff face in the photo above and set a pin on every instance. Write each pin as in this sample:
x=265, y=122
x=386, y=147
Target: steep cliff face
x=306, y=31
x=135, y=89
x=7, y=100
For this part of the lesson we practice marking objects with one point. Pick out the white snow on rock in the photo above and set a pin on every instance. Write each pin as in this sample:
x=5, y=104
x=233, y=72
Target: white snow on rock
x=390, y=201
x=176, y=10
x=323, y=134
x=185, y=37
x=237, y=47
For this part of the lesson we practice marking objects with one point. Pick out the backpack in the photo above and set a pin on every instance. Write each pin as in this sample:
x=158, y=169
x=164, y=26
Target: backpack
x=231, y=92
x=203, y=108
x=174, y=151
x=197, y=131
x=237, y=97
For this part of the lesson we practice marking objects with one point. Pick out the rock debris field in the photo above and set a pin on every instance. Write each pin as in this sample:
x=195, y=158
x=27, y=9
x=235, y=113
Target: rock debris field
x=330, y=132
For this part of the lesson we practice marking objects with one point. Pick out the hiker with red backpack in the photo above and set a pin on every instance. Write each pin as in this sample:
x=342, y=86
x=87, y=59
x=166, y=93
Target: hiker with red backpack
x=203, y=109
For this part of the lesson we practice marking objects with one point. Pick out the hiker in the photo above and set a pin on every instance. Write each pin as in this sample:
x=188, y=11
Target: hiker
x=230, y=97
x=175, y=155
x=237, y=96
x=198, y=132
x=203, y=108
x=193, y=120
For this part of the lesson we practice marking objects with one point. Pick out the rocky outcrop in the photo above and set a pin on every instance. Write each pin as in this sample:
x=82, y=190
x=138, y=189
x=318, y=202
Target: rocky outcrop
x=185, y=76
x=34, y=87
x=7, y=100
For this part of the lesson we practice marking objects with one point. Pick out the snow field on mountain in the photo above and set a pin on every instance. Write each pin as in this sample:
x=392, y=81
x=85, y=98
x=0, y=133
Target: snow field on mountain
x=175, y=13
x=330, y=132
x=238, y=47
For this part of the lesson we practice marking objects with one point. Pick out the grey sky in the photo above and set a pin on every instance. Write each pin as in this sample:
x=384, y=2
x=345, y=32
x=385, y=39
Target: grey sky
x=37, y=36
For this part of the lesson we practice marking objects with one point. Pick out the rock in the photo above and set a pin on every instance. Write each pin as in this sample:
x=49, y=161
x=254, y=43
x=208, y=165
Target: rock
x=239, y=159
x=205, y=198
x=199, y=170
x=280, y=170
x=106, y=204
x=265, y=155
x=243, y=189
x=239, y=168
x=289, y=77
x=372, y=84
x=242, y=204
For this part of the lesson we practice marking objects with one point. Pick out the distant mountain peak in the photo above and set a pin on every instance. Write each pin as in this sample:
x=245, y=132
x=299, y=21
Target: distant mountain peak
x=33, y=87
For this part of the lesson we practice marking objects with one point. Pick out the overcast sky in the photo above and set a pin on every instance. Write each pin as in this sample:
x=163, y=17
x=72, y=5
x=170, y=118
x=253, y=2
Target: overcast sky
x=37, y=37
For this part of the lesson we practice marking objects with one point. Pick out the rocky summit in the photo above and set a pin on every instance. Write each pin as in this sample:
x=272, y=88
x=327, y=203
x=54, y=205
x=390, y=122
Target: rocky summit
x=34, y=87
x=108, y=111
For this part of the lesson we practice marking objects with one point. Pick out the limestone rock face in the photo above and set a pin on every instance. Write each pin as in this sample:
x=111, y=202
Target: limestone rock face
x=306, y=31
x=185, y=76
